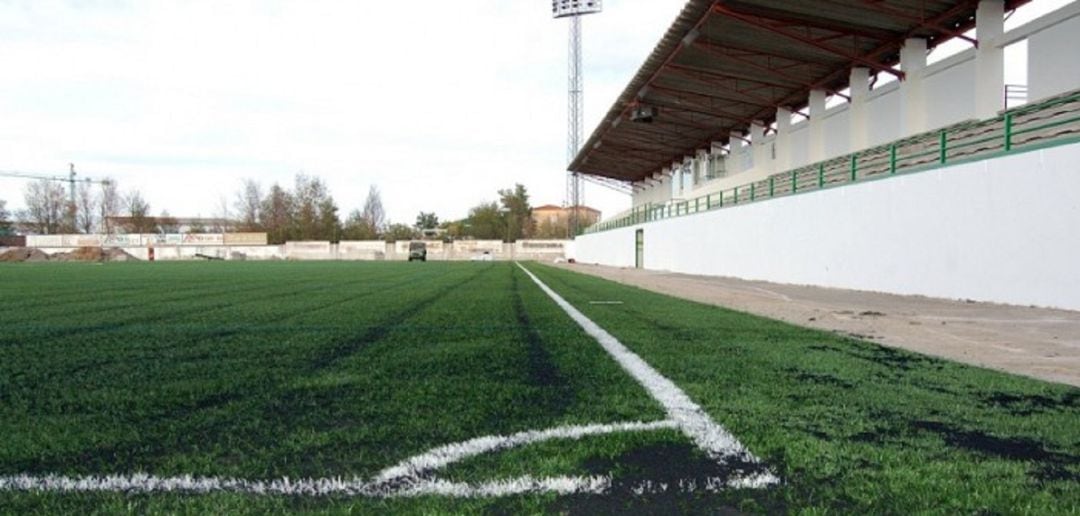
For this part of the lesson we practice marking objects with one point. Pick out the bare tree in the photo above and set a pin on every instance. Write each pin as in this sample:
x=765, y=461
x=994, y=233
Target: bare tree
x=224, y=222
x=248, y=206
x=139, y=214
x=45, y=206
x=109, y=203
x=358, y=228
x=374, y=214
x=86, y=212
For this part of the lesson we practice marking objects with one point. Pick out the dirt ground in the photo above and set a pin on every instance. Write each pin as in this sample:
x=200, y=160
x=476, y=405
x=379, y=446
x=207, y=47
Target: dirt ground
x=82, y=254
x=1038, y=342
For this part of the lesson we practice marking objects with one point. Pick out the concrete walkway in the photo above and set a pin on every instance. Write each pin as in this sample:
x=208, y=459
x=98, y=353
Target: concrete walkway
x=1038, y=342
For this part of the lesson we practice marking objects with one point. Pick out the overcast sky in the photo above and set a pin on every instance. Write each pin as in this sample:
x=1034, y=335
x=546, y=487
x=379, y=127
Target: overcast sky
x=437, y=103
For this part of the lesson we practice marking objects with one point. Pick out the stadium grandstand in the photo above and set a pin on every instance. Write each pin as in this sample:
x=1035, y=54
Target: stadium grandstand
x=815, y=143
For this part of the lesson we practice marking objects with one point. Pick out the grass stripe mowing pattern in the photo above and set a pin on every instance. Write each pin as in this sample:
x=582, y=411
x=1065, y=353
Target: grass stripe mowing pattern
x=265, y=370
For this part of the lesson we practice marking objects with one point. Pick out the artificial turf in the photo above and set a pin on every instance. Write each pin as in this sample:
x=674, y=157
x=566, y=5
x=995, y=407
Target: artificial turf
x=264, y=370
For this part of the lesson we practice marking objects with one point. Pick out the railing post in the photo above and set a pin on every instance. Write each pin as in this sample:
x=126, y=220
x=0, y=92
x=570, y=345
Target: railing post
x=753, y=190
x=697, y=204
x=892, y=158
x=1008, y=131
x=821, y=175
x=736, y=200
x=941, y=147
x=794, y=181
x=708, y=202
x=854, y=167
x=721, y=198
x=772, y=189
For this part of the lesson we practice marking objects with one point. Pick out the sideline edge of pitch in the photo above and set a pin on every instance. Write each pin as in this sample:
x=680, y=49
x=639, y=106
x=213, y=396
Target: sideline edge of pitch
x=714, y=439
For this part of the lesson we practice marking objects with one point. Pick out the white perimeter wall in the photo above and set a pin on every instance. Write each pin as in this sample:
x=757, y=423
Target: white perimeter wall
x=1004, y=230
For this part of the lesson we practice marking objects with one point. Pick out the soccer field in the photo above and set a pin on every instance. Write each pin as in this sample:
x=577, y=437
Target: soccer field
x=464, y=387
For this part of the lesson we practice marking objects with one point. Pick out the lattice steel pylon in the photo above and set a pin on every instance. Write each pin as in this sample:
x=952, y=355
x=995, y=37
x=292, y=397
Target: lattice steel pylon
x=574, y=9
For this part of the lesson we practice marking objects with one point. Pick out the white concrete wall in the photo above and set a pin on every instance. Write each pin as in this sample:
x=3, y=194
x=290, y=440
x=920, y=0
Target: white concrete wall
x=1053, y=64
x=800, y=140
x=884, y=104
x=1004, y=230
x=948, y=92
x=837, y=134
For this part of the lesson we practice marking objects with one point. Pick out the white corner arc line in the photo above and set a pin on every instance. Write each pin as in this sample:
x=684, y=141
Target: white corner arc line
x=716, y=441
x=447, y=454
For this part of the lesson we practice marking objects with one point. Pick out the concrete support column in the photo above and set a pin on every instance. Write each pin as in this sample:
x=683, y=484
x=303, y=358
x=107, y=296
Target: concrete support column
x=735, y=156
x=666, y=183
x=783, y=139
x=716, y=151
x=989, y=59
x=860, y=90
x=701, y=166
x=762, y=163
x=912, y=100
x=817, y=126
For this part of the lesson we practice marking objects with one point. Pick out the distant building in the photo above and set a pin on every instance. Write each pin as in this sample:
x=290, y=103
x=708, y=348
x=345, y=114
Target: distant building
x=552, y=221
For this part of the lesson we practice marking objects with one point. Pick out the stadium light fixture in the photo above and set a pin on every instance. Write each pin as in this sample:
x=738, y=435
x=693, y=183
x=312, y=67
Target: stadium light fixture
x=566, y=8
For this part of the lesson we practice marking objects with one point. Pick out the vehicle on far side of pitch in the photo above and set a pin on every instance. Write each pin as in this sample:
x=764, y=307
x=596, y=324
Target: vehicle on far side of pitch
x=483, y=257
x=417, y=251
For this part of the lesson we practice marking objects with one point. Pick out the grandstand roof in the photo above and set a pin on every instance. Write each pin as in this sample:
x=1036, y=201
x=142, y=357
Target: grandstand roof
x=723, y=64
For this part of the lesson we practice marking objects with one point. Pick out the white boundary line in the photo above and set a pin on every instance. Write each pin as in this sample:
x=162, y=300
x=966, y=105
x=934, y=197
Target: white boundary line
x=717, y=442
x=409, y=478
x=413, y=476
x=444, y=455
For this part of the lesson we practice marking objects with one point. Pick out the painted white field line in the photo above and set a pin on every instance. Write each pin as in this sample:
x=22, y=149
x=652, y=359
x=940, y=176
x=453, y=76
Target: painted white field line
x=405, y=479
x=444, y=455
x=302, y=487
x=717, y=442
x=409, y=478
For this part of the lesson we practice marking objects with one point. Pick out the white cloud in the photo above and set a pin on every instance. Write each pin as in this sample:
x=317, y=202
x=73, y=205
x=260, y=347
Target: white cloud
x=438, y=103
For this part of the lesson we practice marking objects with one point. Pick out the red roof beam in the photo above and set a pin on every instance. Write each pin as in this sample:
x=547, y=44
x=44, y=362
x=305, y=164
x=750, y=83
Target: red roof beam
x=764, y=25
x=736, y=79
x=704, y=110
x=789, y=18
x=894, y=45
x=730, y=102
x=732, y=94
x=752, y=64
x=901, y=15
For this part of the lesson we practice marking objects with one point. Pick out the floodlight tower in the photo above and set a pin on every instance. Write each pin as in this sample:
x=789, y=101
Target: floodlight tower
x=574, y=9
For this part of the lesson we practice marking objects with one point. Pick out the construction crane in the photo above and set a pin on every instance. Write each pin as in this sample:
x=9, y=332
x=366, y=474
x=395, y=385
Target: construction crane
x=70, y=179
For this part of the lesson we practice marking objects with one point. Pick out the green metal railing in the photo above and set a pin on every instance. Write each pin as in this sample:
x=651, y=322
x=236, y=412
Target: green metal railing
x=1055, y=121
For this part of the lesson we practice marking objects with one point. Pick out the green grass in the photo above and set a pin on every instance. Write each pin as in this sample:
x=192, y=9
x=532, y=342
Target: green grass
x=263, y=370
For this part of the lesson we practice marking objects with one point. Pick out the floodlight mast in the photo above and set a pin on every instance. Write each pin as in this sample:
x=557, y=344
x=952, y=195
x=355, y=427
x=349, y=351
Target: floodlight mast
x=574, y=9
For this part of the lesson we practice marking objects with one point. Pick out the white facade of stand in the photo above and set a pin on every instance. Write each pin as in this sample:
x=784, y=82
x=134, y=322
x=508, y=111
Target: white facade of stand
x=1000, y=230
x=968, y=85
